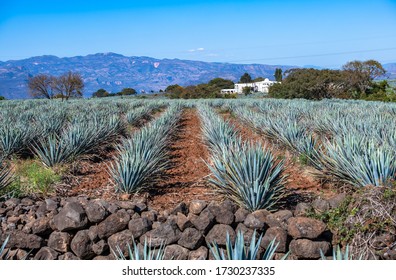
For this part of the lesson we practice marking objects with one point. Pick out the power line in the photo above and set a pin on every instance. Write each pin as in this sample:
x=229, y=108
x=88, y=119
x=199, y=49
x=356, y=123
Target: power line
x=313, y=55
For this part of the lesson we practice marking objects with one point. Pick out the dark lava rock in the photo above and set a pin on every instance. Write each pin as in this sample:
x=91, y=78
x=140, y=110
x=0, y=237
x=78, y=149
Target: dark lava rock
x=203, y=222
x=200, y=254
x=180, y=208
x=240, y=215
x=280, y=236
x=41, y=226
x=96, y=211
x=68, y=256
x=223, y=212
x=122, y=240
x=191, y=239
x=279, y=219
x=196, y=206
x=302, y=209
x=337, y=200
x=320, y=205
x=218, y=234
x=51, y=205
x=100, y=248
x=59, y=241
x=165, y=234
x=93, y=233
x=150, y=215
x=308, y=249
x=113, y=223
x=302, y=227
x=81, y=245
x=19, y=239
x=71, y=217
x=176, y=252
x=139, y=226
x=46, y=253
x=183, y=222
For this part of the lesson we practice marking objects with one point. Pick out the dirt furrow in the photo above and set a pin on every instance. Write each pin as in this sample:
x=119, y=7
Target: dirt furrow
x=186, y=179
x=299, y=181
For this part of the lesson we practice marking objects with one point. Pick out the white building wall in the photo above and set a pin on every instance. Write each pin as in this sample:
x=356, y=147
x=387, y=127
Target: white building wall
x=262, y=86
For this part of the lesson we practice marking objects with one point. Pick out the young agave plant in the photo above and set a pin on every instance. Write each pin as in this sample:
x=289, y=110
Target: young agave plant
x=359, y=162
x=338, y=255
x=52, y=151
x=239, y=251
x=145, y=254
x=249, y=175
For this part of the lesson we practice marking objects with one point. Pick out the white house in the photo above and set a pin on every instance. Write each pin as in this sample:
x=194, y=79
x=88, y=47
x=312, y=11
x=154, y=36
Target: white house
x=262, y=86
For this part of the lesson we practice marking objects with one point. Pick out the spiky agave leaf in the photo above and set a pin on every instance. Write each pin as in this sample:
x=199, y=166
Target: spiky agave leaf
x=248, y=175
x=13, y=138
x=3, y=247
x=52, y=151
x=144, y=156
x=145, y=254
x=239, y=251
x=339, y=255
x=359, y=162
x=5, y=175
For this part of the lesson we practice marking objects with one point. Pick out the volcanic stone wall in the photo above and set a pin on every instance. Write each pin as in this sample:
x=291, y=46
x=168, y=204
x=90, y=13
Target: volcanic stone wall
x=81, y=228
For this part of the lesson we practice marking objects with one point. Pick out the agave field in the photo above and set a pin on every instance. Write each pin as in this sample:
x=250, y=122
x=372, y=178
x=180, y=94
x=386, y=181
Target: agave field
x=349, y=143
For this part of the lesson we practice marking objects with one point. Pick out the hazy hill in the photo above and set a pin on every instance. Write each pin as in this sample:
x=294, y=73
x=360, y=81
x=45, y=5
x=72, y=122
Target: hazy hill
x=114, y=71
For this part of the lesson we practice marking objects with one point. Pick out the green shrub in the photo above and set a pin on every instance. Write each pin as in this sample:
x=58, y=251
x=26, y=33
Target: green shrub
x=32, y=177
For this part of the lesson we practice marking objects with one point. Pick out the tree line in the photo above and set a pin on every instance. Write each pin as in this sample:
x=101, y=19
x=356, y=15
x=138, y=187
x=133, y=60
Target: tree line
x=104, y=93
x=209, y=90
x=356, y=80
x=47, y=86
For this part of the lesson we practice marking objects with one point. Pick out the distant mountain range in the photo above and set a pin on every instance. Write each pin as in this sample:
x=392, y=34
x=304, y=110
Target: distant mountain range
x=114, y=72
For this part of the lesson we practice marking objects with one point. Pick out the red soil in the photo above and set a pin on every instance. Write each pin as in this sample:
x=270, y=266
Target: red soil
x=299, y=178
x=184, y=181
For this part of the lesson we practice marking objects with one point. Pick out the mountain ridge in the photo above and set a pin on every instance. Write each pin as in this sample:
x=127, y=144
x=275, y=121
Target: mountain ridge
x=113, y=72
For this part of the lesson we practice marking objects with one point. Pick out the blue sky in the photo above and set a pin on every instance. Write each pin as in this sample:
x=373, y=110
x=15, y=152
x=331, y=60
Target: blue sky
x=323, y=33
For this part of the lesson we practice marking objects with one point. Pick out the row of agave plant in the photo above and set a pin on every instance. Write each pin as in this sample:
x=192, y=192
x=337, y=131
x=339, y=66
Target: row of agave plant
x=246, y=172
x=144, y=155
x=58, y=133
x=352, y=142
x=25, y=122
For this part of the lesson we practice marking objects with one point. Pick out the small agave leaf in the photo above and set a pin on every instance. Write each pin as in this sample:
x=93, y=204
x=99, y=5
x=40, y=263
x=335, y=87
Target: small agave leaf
x=3, y=247
x=239, y=251
x=146, y=253
x=5, y=175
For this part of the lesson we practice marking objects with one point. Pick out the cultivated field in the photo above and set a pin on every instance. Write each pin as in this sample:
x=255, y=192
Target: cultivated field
x=260, y=154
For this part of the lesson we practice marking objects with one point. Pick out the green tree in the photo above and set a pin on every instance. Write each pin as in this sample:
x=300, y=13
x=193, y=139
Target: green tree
x=278, y=75
x=127, y=91
x=174, y=89
x=2, y=98
x=258, y=79
x=247, y=90
x=100, y=93
x=221, y=83
x=245, y=78
x=362, y=73
x=311, y=84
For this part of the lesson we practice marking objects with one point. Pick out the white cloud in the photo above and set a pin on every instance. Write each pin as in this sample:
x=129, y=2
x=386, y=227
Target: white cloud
x=196, y=50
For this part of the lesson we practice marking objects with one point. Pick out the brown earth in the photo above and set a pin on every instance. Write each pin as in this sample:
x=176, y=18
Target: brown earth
x=182, y=182
x=186, y=180
x=300, y=182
